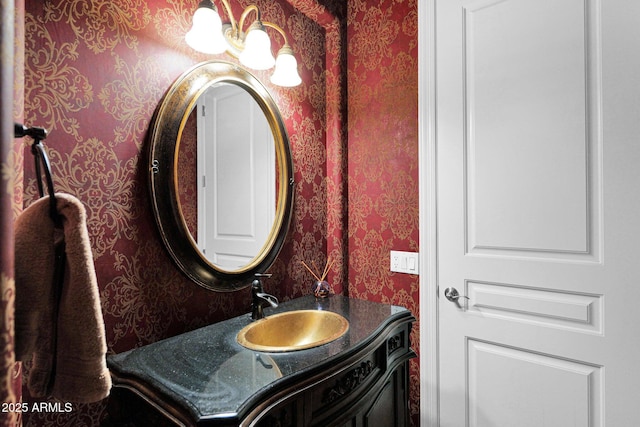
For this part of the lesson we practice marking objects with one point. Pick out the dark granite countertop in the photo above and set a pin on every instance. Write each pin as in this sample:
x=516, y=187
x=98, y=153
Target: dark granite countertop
x=210, y=375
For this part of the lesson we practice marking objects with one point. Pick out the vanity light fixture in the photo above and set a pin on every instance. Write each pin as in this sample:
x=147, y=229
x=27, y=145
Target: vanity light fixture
x=253, y=47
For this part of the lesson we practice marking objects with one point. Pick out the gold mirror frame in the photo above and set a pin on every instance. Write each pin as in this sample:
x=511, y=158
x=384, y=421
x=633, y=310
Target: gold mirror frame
x=165, y=134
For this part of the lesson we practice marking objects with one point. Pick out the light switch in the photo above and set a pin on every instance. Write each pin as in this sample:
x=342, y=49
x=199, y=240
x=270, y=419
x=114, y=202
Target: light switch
x=405, y=262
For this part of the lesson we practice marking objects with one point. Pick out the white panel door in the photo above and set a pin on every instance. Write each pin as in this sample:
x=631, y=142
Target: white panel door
x=537, y=135
x=236, y=176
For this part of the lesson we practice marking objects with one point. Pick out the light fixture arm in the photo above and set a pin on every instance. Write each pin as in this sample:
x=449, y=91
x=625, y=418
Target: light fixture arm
x=236, y=26
x=232, y=19
x=246, y=12
x=278, y=29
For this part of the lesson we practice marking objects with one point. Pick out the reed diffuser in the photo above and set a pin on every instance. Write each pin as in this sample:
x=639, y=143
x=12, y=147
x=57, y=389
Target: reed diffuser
x=321, y=288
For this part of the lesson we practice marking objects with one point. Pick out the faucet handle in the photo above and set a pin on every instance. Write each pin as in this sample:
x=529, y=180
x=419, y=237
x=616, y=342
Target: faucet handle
x=257, y=284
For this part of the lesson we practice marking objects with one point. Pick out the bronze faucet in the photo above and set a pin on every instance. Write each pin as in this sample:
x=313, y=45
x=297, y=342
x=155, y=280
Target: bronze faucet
x=259, y=298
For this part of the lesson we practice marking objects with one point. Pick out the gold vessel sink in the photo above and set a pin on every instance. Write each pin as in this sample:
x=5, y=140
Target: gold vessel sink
x=293, y=330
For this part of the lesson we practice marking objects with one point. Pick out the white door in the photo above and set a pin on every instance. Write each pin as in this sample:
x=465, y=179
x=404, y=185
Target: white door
x=537, y=146
x=236, y=176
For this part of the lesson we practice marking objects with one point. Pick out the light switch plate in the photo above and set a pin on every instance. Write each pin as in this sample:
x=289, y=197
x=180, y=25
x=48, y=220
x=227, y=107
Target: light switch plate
x=405, y=262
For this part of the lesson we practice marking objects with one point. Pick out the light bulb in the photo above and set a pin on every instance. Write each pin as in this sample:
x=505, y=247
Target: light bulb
x=286, y=72
x=206, y=33
x=257, y=48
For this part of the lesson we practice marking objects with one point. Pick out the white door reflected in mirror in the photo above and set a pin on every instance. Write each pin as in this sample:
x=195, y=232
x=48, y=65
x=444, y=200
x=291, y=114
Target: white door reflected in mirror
x=236, y=177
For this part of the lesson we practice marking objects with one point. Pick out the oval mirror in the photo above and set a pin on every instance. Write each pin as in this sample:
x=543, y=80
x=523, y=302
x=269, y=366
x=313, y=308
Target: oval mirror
x=220, y=175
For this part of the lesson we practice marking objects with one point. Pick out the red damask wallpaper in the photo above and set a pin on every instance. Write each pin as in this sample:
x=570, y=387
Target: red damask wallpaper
x=94, y=71
x=383, y=155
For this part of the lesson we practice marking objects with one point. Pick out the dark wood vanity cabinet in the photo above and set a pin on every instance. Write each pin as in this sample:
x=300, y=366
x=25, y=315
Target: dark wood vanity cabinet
x=385, y=406
x=370, y=391
x=356, y=384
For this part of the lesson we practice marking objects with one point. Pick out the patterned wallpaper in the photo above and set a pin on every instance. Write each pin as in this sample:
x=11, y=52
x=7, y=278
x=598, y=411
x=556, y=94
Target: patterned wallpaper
x=94, y=72
x=383, y=154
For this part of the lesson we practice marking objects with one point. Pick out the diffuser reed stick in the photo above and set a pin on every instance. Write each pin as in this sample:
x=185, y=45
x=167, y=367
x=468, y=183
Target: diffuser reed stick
x=311, y=271
x=327, y=267
x=315, y=271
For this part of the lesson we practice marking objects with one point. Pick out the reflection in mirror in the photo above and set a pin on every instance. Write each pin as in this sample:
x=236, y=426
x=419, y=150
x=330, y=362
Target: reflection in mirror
x=227, y=176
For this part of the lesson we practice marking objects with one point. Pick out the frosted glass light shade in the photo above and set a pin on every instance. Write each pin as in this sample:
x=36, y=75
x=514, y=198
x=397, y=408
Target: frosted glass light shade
x=206, y=33
x=257, y=49
x=286, y=72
